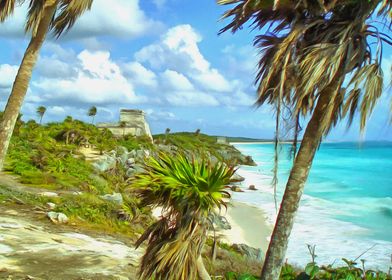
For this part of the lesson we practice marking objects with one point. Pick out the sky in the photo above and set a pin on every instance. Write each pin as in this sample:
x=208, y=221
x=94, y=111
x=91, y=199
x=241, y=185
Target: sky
x=162, y=56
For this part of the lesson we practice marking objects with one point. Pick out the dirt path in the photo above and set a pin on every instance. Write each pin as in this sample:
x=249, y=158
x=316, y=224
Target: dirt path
x=35, y=249
x=31, y=247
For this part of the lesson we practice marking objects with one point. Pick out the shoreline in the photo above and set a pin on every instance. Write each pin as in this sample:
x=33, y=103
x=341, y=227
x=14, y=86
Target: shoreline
x=249, y=225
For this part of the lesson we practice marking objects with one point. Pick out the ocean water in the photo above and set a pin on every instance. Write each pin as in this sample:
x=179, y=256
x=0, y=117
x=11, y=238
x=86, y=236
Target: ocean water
x=346, y=208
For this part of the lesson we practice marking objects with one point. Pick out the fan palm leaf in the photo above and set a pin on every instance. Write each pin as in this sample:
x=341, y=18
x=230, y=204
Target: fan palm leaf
x=189, y=191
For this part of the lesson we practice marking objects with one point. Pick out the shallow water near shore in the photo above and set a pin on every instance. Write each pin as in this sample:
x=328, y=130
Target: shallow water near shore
x=347, y=205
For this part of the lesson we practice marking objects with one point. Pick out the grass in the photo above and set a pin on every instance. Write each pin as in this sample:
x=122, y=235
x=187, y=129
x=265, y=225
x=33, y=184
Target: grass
x=204, y=145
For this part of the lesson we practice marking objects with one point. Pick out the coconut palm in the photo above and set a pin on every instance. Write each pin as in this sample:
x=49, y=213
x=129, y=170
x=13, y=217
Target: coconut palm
x=189, y=192
x=197, y=132
x=56, y=15
x=92, y=112
x=319, y=59
x=41, y=112
x=167, y=132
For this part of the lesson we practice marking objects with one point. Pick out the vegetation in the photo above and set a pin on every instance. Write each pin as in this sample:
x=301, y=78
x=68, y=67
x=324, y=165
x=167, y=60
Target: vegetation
x=189, y=192
x=309, y=50
x=48, y=156
x=59, y=16
x=205, y=146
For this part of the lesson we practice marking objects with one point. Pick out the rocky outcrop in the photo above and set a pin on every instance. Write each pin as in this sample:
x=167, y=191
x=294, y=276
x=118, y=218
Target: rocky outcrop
x=220, y=223
x=249, y=252
x=252, y=188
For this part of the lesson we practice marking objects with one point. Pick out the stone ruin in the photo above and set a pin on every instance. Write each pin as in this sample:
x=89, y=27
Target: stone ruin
x=132, y=122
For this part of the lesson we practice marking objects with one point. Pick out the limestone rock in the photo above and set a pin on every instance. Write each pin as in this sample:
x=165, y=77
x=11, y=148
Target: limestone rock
x=115, y=197
x=249, y=252
x=58, y=218
x=130, y=161
x=237, y=178
x=49, y=194
x=51, y=205
x=252, y=188
x=221, y=223
x=106, y=163
x=236, y=189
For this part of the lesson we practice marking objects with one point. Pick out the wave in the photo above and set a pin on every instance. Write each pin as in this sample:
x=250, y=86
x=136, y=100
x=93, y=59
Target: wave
x=318, y=223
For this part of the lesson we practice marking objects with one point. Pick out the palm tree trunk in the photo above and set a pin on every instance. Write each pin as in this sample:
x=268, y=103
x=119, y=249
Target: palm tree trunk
x=201, y=269
x=299, y=173
x=22, y=81
x=40, y=119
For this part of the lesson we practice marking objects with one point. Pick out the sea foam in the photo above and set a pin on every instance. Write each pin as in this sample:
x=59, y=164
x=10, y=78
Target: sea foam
x=321, y=222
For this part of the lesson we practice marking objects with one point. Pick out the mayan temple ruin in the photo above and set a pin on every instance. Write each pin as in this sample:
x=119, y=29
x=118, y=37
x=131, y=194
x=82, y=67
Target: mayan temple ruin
x=132, y=122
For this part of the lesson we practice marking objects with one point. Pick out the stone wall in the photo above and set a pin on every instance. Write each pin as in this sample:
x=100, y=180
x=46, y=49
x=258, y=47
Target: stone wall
x=132, y=122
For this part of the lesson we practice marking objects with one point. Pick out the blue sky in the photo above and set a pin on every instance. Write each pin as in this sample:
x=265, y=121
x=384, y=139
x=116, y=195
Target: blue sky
x=162, y=56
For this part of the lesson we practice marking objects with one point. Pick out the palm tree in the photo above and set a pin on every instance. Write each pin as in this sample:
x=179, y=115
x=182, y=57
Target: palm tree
x=189, y=192
x=92, y=112
x=316, y=61
x=167, y=132
x=56, y=15
x=41, y=112
x=197, y=132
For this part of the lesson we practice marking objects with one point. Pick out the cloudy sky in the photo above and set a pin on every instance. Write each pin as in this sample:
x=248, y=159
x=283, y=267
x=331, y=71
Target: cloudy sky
x=162, y=56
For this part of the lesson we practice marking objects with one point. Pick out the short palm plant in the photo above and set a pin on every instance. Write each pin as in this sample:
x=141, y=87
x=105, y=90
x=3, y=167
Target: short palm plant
x=189, y=192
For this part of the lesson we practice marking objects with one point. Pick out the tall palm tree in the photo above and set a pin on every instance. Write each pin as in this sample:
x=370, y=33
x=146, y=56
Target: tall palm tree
x=167, y=132
x=316, y=61
x=92, y=112
x=189, y=192
x=41, y=112
x=56, y=15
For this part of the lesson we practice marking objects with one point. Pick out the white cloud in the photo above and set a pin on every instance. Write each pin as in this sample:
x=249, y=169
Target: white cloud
x=7, y=75
x=99, y=80
x=139, y=75
x=158, y=115
x=120, y=18
x=191, y=98
x=178, y=50
x=173, y=80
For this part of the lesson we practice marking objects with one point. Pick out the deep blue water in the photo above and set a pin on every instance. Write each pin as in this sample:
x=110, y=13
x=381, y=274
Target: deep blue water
x=355, y=179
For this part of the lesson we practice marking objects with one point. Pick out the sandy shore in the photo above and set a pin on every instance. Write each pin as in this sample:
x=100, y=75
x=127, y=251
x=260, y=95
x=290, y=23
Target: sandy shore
x=248, y=225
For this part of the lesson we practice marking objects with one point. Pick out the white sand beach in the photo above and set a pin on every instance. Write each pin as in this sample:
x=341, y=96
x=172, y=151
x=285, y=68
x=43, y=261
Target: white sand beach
x=248, y=225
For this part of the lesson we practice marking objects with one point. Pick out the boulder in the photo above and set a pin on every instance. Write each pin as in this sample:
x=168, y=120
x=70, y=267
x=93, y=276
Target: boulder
x=220, y=223
x=115, y=197
x=237, y=178
x=106, y=163
x=49, y=194
x=57, y=218
x=252, y=188
x=248, y=252
x=51, y=205
x=130, y=161
x=130, y=172
x=236, y=189
x=249, y=161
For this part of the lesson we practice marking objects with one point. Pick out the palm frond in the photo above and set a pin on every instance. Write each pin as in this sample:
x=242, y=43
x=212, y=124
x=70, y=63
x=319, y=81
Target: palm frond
x=34, y=15
x=69, y=12
x=188, y=190
x=7, y=8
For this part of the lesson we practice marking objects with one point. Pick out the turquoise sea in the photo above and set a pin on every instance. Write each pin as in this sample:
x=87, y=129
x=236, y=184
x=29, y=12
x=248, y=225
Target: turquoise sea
x=347, y=204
